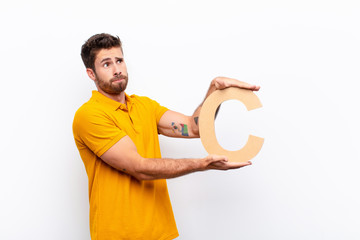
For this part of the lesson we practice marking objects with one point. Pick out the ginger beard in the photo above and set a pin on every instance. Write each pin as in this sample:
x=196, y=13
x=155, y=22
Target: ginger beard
x=111, y=86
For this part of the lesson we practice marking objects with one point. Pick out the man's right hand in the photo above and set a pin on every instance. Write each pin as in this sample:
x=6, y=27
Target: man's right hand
x=222, y=163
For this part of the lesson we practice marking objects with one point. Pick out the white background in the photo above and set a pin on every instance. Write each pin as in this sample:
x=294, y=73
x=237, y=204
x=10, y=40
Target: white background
x=305, y=55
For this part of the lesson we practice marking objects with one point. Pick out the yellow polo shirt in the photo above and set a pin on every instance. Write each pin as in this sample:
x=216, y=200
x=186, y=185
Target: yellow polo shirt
x=121, y=207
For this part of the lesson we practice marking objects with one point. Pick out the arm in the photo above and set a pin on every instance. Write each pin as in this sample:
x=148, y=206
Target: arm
x=174, y=124
x=123, y=156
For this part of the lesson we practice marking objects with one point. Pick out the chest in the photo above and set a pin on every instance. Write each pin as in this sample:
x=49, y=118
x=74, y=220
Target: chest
x=139, y=123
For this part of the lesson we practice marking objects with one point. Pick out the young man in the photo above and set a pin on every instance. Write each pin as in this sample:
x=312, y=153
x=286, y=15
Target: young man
x=117, y=137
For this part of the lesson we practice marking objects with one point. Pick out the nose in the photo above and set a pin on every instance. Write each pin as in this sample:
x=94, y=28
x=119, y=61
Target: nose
x=117, y=70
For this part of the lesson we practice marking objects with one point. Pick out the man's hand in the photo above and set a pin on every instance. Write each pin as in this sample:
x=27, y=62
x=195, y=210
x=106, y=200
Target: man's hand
x=221, y=163
x=224, y=82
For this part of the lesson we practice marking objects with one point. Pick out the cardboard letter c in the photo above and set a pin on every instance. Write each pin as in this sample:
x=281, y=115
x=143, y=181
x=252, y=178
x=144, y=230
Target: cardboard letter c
x=207, y=127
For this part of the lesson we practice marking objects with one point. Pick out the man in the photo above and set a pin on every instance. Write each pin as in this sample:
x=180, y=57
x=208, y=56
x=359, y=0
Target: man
x=117, y=137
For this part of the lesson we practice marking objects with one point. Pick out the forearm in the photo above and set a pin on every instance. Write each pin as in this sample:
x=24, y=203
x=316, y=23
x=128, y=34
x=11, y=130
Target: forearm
x=164, y=168
x=161, y=168
x=124, y=157
x=193, y=121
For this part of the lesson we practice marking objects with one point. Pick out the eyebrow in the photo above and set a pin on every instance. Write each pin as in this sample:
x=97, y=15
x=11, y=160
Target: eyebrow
x=105, y=59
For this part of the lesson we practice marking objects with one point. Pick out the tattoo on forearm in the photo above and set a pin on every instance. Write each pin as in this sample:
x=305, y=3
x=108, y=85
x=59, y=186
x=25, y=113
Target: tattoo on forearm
x=183, y=128
x=196, y=119
x=174, y=127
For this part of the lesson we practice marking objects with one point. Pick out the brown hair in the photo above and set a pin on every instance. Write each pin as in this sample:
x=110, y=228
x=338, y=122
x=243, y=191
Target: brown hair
x=94, y=44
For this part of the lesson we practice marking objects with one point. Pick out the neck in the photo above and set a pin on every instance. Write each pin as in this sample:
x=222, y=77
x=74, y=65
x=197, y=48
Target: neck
x=120, y=97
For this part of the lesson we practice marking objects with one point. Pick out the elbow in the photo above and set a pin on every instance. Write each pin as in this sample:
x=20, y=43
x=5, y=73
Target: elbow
x=140, y=173
x=142, y=177
x=195, y=132
x=194, y=126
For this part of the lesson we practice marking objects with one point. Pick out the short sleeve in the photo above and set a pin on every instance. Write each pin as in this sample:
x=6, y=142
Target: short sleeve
x=157, y=109
x=95, y=130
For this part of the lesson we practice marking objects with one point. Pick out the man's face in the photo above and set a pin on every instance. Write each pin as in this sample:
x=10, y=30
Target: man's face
x=110, y=73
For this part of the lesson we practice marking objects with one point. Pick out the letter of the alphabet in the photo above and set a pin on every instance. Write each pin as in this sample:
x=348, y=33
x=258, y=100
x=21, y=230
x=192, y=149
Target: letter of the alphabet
x=207, y=127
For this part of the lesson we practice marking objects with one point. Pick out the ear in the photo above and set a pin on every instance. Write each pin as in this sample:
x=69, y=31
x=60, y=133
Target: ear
x=90, y=73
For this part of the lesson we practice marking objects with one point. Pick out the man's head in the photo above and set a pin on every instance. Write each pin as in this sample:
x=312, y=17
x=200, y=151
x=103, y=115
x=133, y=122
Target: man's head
x=103, y=58
x=96, y=43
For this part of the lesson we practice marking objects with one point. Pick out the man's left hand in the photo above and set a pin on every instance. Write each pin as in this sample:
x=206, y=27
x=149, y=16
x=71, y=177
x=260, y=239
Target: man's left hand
x=224, y=82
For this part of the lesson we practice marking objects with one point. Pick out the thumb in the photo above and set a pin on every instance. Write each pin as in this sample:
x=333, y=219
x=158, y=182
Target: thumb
x=217, y=158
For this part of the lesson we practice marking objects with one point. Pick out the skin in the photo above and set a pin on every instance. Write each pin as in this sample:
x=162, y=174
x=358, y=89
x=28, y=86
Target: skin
x=123, y=155
x=110, y=75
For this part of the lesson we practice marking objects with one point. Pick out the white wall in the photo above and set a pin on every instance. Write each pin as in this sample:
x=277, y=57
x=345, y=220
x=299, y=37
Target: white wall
x=304, y=184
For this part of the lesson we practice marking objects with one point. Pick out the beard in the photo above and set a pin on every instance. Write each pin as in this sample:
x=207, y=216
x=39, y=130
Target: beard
x=112, y=87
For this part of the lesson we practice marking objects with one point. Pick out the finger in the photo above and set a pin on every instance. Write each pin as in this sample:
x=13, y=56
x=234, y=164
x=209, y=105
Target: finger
x=256, y=88
x=229, y=165
x=248, y=86
x=238, y=164
x=217, y=158
x=220, y=158
x=235, y=165
x=220, y=85
x=223, y=82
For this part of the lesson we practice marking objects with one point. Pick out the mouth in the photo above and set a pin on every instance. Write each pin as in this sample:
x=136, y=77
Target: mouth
x=118, y=79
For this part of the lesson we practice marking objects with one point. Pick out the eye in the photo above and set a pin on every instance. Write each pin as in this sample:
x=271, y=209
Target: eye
x=119, y=61
x=106, y=65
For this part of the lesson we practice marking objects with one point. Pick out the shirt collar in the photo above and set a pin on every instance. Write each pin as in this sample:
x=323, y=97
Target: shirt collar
x=112, y=103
